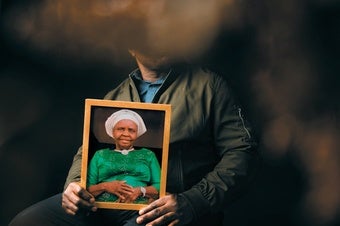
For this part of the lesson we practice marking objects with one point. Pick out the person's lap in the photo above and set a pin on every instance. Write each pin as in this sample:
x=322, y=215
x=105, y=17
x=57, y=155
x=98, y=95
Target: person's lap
x=50, y=212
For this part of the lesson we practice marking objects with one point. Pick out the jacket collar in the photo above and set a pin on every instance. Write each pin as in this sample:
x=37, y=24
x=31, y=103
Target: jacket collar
x=176, y=70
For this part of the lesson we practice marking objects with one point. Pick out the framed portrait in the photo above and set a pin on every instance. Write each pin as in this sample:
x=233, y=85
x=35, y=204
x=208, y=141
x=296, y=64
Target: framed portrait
x=125, y=152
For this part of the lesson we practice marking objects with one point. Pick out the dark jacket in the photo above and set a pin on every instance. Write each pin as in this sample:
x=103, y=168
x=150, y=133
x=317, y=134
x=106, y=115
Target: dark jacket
x=212, y=155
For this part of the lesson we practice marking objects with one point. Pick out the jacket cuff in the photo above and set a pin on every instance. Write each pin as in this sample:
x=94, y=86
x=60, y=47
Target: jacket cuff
x=197, y=204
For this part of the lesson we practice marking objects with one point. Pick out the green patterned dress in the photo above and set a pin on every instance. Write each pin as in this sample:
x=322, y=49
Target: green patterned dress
x=139, y=168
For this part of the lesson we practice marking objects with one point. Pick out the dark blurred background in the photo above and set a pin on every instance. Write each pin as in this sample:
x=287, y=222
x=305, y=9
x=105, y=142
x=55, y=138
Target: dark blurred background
x=281, y=58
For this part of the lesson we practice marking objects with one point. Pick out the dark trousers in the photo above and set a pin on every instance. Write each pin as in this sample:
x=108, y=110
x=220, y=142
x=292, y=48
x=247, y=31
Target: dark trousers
x=50, y=212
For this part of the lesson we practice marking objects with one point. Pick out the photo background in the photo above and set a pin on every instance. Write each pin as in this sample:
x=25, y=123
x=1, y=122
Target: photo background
x=153, y=119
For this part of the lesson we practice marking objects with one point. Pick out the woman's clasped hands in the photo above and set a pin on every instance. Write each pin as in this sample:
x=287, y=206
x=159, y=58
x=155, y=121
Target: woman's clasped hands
x=122, y=190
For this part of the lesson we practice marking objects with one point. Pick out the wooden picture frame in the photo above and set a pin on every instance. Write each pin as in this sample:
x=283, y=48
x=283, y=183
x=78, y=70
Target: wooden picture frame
x=157, y=120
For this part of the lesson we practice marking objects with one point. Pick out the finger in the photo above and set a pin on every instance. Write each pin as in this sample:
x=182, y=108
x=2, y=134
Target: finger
x=69, y=207
x=151, y=216
x=87, y=205
x=79, y=201
x=148, y=208
x=120, y=196
x=126, y=193
x=123, y=183
x=126, y=187
x=73, y=200
x=175, y=222
x=70, y=212
x=159, y=218
x=74, y=189
x=165, y=219
x=85, y=195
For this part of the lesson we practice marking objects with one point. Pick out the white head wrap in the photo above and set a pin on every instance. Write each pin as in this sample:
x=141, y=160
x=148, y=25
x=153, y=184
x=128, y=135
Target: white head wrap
x=125, y=114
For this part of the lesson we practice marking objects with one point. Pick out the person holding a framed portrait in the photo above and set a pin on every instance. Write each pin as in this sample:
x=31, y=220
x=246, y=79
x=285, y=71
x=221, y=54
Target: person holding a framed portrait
x=213, y=154
x=124, y=174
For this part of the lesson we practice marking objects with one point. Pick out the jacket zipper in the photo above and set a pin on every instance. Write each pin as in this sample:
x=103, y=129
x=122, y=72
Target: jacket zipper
x=243, y=124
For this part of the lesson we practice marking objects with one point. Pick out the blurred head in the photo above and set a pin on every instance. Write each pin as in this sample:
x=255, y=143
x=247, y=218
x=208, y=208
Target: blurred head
x=153, y=60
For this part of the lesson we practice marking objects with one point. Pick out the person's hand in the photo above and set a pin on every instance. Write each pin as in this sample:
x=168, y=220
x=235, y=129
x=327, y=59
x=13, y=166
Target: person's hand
x=133, y=196
x=119, y=188
x=75, y=197
x=164, y=211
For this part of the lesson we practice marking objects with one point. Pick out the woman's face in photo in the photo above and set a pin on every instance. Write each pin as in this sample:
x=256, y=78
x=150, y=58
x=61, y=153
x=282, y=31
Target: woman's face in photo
x=125, y=134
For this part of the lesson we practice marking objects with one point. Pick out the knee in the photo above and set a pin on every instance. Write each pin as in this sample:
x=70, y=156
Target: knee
x=22, y=218
x=38, y=214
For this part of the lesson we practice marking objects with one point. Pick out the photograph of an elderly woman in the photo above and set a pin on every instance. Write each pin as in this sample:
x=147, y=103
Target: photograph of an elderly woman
x=123, y=173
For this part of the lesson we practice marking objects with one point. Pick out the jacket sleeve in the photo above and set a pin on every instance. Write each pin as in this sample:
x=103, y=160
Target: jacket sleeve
x=236, y=146
x=74, y=172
